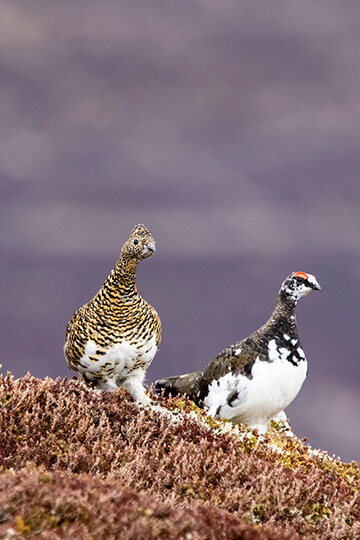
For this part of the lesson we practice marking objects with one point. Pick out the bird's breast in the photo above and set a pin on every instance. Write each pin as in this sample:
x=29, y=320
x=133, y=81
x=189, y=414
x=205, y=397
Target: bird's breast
x=119, y=359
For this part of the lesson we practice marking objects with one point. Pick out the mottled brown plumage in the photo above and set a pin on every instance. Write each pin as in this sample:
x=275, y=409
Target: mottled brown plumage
x=112, y=339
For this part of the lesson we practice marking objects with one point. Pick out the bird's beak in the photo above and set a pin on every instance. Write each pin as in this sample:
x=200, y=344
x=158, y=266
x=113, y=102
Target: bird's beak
x=148, y=249
x=316, y=286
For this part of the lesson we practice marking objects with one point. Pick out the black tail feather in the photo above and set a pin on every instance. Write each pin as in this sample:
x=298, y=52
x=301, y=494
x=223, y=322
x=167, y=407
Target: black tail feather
x=184, y=384
x=167, y=387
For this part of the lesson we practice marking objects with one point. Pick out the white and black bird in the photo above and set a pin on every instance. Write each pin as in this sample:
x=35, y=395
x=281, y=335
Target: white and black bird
x=255, y=379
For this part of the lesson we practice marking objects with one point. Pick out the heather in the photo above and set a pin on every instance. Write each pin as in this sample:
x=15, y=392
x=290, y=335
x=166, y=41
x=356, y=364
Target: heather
x=80, y=463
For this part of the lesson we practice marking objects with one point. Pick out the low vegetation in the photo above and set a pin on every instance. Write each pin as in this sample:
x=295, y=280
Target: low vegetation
x=80, y=463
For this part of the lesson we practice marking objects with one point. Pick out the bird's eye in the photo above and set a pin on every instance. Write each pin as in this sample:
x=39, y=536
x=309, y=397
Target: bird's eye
x=135, y=242
x=299, y=280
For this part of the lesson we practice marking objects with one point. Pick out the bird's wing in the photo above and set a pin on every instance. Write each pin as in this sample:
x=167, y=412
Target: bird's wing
x=235, y=359
x=158, y=328
x=77, y=335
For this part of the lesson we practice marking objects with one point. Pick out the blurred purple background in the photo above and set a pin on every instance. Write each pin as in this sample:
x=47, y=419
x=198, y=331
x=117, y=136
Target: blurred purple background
x=232, y=131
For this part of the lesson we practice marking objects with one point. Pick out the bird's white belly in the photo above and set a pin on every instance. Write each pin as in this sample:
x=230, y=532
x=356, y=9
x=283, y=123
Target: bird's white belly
x=271, y=389
x=119, y=362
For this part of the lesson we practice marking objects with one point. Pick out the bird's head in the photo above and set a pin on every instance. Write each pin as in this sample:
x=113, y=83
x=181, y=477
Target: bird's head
x=299, y=284
x=139, y=245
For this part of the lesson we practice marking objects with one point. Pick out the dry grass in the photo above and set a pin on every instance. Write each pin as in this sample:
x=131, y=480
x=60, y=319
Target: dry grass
x=78, y=463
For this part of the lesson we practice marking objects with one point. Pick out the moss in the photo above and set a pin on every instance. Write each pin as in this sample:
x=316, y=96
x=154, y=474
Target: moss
x=21, y=526
x=5, y=398
x=188, y=491
x=258, y=513
x=315, y=512
x=46, y=478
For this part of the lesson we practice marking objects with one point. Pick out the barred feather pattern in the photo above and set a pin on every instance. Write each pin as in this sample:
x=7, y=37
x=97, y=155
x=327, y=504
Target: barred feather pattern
x=112, y=339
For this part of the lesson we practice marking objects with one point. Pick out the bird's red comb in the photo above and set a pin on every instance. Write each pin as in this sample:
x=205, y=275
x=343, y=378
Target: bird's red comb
x=301, y=274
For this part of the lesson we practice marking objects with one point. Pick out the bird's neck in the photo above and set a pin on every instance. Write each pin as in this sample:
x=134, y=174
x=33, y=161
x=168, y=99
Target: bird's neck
x=122, y=279
x=284, y=313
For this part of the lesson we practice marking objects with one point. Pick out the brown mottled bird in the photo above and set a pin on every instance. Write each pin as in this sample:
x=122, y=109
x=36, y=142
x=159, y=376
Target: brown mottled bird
x=112, y=339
